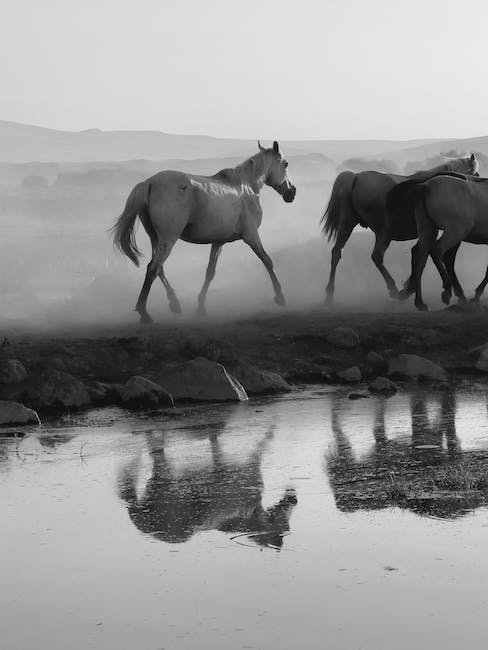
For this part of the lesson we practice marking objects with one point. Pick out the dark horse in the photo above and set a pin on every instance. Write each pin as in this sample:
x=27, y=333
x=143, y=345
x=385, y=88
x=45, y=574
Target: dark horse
x=361, y=199
x=399, y=471
x=457, y=205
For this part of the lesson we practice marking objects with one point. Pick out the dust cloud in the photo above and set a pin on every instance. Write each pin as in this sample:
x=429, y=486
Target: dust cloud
x=58, y=267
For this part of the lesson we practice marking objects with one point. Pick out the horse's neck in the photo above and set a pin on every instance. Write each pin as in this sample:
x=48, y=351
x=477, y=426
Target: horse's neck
x=427, y=173
x=253, y=172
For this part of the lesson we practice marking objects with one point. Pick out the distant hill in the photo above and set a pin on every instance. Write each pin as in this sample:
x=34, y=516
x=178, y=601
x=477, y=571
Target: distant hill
x=304, y=168
x=431, y=149
x=26, y=143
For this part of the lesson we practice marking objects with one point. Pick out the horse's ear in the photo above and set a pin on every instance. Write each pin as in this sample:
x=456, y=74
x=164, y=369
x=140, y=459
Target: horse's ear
x=276, y=147
x=473, y=157
x=261, y=148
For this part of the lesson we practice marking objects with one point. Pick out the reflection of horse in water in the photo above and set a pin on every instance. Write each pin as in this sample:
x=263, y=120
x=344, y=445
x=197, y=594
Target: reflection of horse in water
x=405, y=463
x=222, y=495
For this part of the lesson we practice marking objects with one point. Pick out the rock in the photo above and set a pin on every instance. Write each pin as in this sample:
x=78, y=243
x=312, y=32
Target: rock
x=411, y=366
x=351, y=375
x=101, y=392
x=201, y=380
x=140, y=392
x=307, y=372
x=16, y=413
x=343, y=337
x=377, y=363
x=258, y=382
x=12, y=371
x=55, y=389
x=382, y=385
x=412, y=343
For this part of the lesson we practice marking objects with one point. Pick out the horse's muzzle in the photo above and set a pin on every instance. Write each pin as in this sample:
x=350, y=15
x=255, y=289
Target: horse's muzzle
x=289, y=194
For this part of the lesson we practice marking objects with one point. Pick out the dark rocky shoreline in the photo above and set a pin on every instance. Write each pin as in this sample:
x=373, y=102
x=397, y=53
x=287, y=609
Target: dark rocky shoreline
x=66, y=370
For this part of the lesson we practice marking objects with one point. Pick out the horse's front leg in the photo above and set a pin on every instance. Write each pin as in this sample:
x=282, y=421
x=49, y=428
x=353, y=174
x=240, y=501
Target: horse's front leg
x=253, y=240
x=381, y=244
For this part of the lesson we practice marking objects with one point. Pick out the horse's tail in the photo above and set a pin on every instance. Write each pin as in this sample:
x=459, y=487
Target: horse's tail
x=123, y=229
x=339, y=204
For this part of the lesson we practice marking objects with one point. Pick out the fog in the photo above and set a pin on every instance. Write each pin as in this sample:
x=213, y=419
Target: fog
x=58, y=267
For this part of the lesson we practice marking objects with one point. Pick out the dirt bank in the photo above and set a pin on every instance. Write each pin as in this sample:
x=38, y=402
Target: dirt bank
x=292, y=344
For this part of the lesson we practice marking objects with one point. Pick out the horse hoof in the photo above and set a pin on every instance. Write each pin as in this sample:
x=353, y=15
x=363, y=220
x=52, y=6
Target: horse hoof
x=404, y=294
x=475, y=300
x=201, y=312
x=422, y=307
x=462, y=300
x=146, y=319
x=280, y=300
x=446, y=297
x=175, y=307
x=394, y=294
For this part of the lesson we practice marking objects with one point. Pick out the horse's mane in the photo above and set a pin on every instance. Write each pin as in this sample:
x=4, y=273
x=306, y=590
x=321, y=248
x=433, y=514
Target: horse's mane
x=227, y=174
x=244, y=171
x=424, y=174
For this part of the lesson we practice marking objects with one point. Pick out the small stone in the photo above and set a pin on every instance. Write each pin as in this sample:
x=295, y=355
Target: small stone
x=377, y=363
x=141, y=392
x=343, y=337
x=351, y=375
x=12, y=371
x=382, y=385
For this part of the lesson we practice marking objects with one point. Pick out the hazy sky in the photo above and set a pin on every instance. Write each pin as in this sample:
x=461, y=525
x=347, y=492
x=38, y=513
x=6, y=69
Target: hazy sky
x=267, y=68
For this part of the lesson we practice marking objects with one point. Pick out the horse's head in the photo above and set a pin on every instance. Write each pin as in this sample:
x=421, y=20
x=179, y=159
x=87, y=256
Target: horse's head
x=468, y=165
x=277, y=175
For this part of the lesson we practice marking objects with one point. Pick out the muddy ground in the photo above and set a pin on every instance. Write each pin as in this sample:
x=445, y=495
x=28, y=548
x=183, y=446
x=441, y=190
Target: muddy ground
x=292, y=344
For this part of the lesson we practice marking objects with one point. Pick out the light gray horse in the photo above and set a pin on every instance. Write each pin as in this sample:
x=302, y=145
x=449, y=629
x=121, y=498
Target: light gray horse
x=212, y=210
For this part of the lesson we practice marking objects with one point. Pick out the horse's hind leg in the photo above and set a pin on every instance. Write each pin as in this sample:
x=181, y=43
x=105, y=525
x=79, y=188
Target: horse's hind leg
x=449, y=260
x=427, y=234
x=151, y=273
x=215, y=251
x=381, y=244
x=409, y=285
x=480, y=288
x=174, y=303
x=440, y=249
x=343, y=234
x=161, y=251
